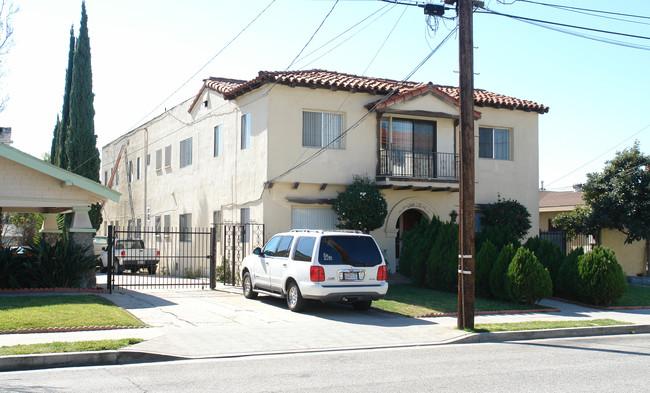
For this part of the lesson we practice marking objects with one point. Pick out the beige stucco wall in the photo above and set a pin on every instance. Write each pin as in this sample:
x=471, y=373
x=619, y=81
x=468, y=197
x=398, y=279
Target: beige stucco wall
x=631, y=257
x=236, y=179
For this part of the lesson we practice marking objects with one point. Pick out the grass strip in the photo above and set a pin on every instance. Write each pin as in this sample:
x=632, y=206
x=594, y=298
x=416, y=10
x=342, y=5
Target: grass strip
x=60, y=347
x=45, y=311
x=412, y=301
x=635, y=296
x=538, y=325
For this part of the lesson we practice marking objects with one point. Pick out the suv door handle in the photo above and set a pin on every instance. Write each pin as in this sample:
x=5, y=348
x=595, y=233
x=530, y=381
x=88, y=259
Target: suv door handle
x=284, y=265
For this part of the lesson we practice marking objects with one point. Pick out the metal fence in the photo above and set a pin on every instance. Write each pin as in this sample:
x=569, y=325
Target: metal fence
x=419, y=165
x=170, y=257
x=568, y=244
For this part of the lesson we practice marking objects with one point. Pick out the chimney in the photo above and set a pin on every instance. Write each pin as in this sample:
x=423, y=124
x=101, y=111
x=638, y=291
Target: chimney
x=5, y=135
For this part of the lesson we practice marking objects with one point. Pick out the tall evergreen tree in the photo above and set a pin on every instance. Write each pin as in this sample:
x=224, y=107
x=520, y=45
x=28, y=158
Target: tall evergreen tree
x=59, y=155
x=81, y=141
x=53, y=156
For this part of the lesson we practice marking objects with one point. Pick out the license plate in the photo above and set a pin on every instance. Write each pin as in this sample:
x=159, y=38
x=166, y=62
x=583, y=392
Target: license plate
x=350, y=276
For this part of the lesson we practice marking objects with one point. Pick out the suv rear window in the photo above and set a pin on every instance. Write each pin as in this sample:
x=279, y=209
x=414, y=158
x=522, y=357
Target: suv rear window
x=348, y=250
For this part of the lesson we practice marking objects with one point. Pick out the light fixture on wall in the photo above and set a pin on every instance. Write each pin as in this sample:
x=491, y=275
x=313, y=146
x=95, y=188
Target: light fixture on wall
x=453, y=215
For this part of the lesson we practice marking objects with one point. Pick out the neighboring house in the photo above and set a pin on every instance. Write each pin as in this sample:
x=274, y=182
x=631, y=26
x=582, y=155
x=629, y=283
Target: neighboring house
x=276, y=150
x=31, y=185
x=631, y=257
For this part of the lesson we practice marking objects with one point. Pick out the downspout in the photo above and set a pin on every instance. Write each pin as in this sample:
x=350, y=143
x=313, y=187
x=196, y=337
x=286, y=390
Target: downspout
x=146, y=152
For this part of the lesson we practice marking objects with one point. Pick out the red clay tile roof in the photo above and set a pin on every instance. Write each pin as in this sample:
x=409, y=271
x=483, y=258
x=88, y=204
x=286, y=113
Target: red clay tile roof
x=231, y=88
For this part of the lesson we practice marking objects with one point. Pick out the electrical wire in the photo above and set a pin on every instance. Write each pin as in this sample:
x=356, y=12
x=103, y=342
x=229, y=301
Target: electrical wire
x=579, y=9
x=600, y=155
x=188, y=80
x=365, y=116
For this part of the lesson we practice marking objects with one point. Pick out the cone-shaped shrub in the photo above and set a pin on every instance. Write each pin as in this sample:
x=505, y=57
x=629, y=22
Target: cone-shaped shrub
x=527, y=280
x=485, y=260
x=603, y=280
x=499, y=271
x=442, y=264
x=547, y=253
x=567, y=283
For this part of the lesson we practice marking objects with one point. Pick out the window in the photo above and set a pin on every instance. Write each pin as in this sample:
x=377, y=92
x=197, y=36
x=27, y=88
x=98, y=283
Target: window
x=186, y=152
x=129, y=172
x=494, y=143
x=105, y=178
x=138, y=227
x=284, y=247
x=245, y=218
x=148, y=163
x=168, y=156
x=304, y=249
x=216, y=220
x=185, y=225
x=271, y=246
x=319, y=129
x=245, y=131
x=159, y=160
x=117, y=176
x=217, y=141
x=137, y=169
x=157, y=225
x=167, y=223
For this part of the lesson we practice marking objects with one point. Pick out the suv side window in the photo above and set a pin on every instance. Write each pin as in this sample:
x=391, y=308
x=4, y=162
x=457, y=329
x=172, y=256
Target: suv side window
x=271, y=246
x=304, y=249
x=284, y=247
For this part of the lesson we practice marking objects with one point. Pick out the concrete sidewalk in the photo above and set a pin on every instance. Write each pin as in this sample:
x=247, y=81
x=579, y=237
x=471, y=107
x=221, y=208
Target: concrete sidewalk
x=190, y=324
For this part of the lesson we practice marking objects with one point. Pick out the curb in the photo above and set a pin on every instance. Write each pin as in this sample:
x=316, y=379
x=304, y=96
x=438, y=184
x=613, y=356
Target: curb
x=522, y=335
x=104, y=358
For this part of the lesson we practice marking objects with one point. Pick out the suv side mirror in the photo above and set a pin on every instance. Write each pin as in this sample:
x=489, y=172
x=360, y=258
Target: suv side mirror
x=257, y=251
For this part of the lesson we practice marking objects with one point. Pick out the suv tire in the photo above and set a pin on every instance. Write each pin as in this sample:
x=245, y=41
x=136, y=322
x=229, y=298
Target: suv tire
x=247, y=287
x=295, y=300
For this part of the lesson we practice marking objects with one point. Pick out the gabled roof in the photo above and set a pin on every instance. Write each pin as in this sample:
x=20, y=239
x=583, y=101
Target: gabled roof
x=233, y=88
x=560, y=200
x=67, y=177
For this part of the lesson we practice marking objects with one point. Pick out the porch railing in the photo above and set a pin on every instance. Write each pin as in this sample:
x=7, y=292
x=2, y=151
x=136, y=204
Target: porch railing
x=418, y=165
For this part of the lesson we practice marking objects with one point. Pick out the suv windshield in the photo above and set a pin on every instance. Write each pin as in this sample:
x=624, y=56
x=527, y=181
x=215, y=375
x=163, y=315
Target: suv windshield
x=348, y=250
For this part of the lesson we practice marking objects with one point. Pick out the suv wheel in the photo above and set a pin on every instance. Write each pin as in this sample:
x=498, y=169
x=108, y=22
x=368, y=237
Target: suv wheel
x=363, y=305
x=295, y=300
x=247, y=286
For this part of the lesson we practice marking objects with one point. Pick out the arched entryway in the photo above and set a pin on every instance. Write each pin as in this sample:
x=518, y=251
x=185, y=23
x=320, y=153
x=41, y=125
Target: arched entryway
x=405, y=223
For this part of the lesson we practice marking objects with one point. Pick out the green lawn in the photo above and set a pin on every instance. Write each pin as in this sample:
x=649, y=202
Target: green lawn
x=635, y=296
x=78, y=346
x=536, y=325
x=44, y=311
x=413, y=301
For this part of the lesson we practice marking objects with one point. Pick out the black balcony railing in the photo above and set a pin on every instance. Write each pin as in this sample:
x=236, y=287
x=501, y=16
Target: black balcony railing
x=418, y=165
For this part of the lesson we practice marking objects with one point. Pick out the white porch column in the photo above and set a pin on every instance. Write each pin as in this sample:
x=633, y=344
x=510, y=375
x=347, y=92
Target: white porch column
x=50, y=228
x=81, y=220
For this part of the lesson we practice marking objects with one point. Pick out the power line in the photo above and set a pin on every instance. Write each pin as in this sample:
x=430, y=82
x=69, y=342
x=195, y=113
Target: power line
x=579, y=9
x=488, y=11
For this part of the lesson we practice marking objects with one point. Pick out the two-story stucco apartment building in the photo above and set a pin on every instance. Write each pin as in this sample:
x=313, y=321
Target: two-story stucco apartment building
x=276, y=150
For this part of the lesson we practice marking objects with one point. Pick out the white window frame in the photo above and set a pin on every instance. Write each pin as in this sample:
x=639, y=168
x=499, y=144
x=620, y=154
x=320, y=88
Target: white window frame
x=497, y=152
x=185, y=150
x=168, y=156
x=158, y=160
x=330, y=129
x=218, y=137
x=245, y=131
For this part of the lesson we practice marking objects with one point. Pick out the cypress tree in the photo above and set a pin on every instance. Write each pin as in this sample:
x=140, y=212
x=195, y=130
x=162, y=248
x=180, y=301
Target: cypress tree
x=81, y=141
x=53, y=157
x=61, y=153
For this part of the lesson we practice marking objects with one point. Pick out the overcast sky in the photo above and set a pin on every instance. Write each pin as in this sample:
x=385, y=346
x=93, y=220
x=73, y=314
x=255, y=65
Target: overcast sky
x=144, y=50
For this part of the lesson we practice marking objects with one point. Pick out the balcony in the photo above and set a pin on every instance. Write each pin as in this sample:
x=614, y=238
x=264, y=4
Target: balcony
x=414, y=165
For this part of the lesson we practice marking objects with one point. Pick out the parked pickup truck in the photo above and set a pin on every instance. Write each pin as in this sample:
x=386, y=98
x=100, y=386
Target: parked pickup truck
x=131, y=255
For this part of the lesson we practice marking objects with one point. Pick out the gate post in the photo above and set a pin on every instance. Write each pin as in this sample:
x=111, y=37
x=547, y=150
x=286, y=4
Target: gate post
x=109, y=260
x=213, y=257
x=234, y=254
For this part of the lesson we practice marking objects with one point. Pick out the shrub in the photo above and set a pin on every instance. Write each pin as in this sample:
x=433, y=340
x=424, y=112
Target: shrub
x=485, y=260
x=499, y=236
x=547, y=253
x=508, y=214
x=567, y=283
x=15, y=270
x=527, y=279
x=62, y=265
x=602, y=278
x=361, y=206
x=442, y=261
x=499, y=271
x=411, y=262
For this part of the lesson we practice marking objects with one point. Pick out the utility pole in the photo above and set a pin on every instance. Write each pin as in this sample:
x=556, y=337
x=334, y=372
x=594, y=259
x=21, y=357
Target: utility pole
x=466, y=254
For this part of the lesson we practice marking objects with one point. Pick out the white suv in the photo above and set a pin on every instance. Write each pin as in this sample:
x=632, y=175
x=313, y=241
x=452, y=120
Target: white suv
x=330, y=266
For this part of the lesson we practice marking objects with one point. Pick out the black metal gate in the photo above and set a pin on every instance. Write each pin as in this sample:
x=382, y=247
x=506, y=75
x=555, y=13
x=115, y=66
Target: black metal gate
x=568, y=244
x=158, y=258
x=234, y=242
